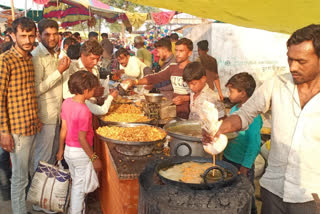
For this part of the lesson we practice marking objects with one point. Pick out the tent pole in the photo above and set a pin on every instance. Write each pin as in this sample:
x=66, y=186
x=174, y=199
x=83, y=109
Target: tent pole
x=25, y=8
x=12, y=10
x=123, y=32
x=99, y=27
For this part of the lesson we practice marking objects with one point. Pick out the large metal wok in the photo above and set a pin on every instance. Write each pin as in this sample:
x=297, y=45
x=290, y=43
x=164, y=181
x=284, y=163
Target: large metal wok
x=187, y=138
x=222, y=166
x=132, y=148
x=189, y=130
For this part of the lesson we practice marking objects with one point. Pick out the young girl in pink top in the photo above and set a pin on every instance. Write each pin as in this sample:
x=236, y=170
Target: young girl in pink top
x=77, y=133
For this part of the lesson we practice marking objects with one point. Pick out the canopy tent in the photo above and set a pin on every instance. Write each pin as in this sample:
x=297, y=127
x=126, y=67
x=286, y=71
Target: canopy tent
x=273, y=15
x=6, y=15
x=71, y=12
x=34, y=12
x=67, y=15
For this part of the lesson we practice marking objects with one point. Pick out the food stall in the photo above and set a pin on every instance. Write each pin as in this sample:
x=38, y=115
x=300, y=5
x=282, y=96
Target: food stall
x=130, y=144
x=124, y=159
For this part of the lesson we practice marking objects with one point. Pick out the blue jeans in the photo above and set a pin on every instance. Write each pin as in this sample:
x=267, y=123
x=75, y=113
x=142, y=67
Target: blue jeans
x=47, y=144
x=5, y=175
x=20, y=159
x=250, y=176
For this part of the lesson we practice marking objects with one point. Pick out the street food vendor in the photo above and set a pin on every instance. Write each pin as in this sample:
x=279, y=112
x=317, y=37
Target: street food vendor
x=195, y=76
x=173, y=72
x=293, y=172
x=130, y=66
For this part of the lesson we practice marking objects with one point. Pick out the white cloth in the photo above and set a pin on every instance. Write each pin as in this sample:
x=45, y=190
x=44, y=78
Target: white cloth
x=62, y=53
x=77, y=161
x=99, y=110
x=134, y=68
x=293, y=171
x=48, y=83
x=91, y=181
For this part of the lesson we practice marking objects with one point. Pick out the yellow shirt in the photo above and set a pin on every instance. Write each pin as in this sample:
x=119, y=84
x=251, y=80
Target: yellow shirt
x=145, y=56
x=173, y=47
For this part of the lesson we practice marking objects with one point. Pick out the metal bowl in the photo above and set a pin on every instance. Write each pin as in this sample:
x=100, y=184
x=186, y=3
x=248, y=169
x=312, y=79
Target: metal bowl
x=131, y=148
x=153, y=98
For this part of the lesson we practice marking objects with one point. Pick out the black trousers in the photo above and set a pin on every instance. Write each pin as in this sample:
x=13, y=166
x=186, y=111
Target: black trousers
x=273, y=204
x=250, y=176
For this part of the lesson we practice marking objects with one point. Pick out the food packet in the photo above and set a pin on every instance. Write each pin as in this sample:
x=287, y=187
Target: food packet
x=210, y=123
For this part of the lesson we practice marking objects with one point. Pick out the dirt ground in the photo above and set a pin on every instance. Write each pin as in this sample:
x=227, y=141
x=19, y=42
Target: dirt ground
x=93, y=206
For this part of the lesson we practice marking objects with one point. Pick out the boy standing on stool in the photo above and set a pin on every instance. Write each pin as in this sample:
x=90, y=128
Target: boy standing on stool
x=242, y=151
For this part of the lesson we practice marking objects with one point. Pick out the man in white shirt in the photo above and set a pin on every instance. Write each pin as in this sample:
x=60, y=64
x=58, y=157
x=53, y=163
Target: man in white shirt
x=293, y=173
x=131, y=66
x=48, y=83
x=90, y=53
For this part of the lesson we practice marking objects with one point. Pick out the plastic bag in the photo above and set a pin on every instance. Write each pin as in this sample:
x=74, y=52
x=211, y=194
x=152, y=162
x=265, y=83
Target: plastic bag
x=210, y=123
x=105, y=84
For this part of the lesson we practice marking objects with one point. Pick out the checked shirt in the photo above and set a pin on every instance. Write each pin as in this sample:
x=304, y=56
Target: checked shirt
x=18, y=104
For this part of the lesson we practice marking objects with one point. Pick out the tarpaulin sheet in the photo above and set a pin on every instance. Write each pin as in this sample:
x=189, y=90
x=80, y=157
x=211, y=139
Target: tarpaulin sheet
x=283, y=16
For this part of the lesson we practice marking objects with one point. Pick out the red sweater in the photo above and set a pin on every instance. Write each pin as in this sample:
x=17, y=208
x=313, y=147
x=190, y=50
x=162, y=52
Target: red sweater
x=173, y=73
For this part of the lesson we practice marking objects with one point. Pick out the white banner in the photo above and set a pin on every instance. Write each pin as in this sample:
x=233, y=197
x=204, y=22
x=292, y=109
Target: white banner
x=238, y=49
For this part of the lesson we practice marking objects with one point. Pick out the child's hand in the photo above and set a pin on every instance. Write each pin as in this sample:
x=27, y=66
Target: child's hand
x=244, y=171
x=59, y=155
x=97, y=165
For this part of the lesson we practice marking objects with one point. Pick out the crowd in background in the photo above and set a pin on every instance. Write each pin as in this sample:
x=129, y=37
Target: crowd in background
x=50, y=89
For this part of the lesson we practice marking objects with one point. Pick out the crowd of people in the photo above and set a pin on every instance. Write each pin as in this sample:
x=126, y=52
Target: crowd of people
x=50, y=90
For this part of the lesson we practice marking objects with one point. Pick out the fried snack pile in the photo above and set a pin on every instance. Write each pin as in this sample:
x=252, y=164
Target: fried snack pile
x=188, y=172
x=134, y=134
x=125, y=113
x=125, y=117
x=191, y=174
x=125, y=108
x=120, y=99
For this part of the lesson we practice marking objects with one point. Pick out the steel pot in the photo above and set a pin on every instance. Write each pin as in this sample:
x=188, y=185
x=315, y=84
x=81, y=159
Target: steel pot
x=182, y=144
x=180, y=147
x=187, y=132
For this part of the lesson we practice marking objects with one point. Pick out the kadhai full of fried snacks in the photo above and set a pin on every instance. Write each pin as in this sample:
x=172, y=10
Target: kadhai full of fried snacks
x=132, y=134
x=125, y=113
x=125, y=108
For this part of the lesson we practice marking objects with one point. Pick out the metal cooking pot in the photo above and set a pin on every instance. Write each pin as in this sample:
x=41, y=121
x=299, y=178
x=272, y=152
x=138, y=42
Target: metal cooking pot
x=153, y=98
x=186, y=148
x=183, y=142
x=220, y=165
x=186, y=138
